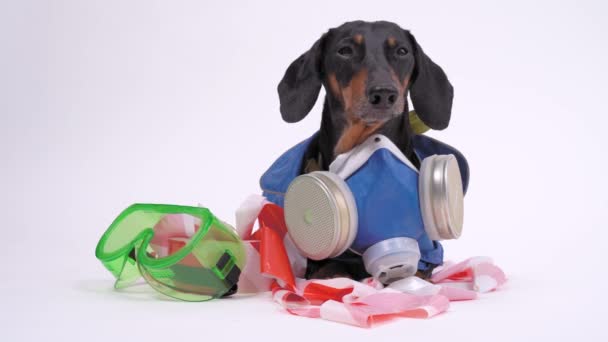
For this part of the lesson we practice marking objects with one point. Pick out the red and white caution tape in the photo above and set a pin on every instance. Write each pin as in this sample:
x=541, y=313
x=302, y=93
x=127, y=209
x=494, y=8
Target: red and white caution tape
x=274, y=264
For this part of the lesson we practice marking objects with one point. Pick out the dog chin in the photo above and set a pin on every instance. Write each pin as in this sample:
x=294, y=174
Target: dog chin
x=375, y=119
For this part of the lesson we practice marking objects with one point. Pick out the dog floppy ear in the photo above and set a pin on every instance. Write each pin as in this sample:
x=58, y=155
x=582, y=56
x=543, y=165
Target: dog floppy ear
x=301, y=84
x=430, y=90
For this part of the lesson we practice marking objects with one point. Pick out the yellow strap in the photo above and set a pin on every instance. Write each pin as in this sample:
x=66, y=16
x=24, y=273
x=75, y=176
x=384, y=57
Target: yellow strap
x=417, y=125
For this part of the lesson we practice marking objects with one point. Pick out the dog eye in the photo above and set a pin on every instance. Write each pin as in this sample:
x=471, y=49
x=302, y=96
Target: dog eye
x=345, y=51
x=401, y=51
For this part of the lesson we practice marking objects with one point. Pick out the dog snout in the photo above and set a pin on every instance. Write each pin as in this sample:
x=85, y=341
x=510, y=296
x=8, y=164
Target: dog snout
x=382, y=97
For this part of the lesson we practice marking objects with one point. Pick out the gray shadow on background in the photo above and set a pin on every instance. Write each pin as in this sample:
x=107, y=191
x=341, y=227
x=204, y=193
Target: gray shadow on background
x=140, y=291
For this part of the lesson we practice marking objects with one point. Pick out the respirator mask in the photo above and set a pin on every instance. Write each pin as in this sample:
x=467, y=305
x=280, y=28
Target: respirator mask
x=374, y=202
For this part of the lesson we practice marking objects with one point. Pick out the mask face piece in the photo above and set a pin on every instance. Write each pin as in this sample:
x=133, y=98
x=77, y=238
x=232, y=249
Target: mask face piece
x=380, y=188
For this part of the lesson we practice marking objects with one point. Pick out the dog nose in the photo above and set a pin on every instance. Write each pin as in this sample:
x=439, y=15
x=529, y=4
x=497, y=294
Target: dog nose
x=382, y=96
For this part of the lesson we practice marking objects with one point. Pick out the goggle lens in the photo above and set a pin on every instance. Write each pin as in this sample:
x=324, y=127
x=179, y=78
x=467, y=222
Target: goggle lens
x=182, y=252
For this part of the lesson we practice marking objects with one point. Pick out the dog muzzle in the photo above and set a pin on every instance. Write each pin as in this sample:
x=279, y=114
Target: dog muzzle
x=374, y=202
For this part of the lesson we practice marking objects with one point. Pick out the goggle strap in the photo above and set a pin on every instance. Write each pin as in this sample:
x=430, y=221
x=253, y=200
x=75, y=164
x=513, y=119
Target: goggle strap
x=132, y=254
x=226, y=268
x=234, y=289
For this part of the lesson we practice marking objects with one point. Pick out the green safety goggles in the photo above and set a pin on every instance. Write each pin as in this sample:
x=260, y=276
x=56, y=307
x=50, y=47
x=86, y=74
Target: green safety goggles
x=204, y=266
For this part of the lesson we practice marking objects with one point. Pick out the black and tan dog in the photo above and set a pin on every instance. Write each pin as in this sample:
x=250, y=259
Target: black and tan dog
x=367, y=70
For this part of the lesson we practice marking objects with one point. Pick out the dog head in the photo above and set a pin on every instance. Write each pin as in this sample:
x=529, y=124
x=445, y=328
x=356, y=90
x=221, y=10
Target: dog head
x=368, y=70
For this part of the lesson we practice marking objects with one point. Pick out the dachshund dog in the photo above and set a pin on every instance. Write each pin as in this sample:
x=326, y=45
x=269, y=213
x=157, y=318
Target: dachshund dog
x=367, y=69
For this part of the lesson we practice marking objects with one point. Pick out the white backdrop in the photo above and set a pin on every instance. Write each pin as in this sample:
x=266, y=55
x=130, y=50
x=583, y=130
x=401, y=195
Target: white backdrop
x=107, y=103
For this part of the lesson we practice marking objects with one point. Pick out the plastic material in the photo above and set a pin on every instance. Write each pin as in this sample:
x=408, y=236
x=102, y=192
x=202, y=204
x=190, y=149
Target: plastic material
x=392, y=259
x=345, y=300
x=381, y=189
x=321, y=214
x=416, y=286
x=275, y=182
x=183, y=252
x=385, y=187
x=441, y=197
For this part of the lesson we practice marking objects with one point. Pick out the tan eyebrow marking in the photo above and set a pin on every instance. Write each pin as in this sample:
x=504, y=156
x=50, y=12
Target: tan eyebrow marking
x=391, y=42
x=358, y=39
